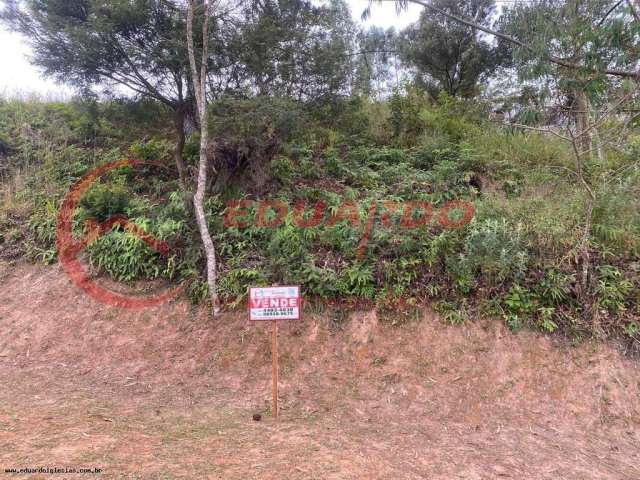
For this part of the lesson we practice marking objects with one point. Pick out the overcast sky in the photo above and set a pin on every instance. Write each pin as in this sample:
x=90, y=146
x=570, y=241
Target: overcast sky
x=18, y=76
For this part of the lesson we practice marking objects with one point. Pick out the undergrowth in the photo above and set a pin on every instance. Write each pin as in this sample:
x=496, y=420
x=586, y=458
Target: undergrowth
x=516, y=259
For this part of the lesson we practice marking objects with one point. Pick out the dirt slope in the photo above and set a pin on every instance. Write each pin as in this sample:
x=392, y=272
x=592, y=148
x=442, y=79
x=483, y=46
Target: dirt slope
x=167, y=393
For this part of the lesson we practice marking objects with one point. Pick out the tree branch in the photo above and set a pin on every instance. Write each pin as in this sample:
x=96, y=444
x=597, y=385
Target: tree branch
x=508, y=38
x=634, y=10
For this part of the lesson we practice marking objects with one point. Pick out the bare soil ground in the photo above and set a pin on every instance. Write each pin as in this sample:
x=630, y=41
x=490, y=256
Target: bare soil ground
x=168, y=393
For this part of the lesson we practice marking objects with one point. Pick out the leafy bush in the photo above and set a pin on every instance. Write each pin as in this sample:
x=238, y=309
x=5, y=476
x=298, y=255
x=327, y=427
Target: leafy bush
x=152, y=150
x=496, y=249
x=612, y=288
x=234, y=284
x=318, y=281
x=554, y=287
x=453, y=313
x=125, y=257
x=105, y=200
x=433, y=152
x=283, y=170
x=357, y=280
x=519, y=306
x=42, y=246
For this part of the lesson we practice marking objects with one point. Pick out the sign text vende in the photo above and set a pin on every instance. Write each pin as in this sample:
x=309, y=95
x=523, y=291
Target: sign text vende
x=274, y=303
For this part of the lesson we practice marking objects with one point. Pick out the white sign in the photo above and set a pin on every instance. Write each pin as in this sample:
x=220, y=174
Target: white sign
x=274, y=303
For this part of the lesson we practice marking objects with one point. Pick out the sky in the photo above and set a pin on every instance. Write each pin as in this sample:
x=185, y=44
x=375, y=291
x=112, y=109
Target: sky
x=18, y=76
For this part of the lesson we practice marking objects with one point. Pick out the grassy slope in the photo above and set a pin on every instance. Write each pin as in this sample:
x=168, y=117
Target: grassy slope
x=517, y=259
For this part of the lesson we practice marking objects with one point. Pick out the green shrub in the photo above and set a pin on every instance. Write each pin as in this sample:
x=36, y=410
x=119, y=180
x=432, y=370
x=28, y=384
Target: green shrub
x=612, y=288
x=283, y=170
x=357, y=280
x=125, y=257
x=460, y=270
x=432, y=153
x=152, y=150
x=546, y=319
x=42, y=225
x=333, y=164
x=318, y=281
x=310, y=169
x=453, y=312
x=554, y=288
x=198, y=291
x=497, y=250
x=105, y=200
x=519, y=305
x=234, y=284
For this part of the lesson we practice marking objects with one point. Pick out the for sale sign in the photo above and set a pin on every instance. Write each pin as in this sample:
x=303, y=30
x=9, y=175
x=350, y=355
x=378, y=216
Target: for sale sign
x=274, y=303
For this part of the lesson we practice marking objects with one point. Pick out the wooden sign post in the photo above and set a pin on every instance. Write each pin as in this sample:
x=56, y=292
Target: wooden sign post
x=274, y=368
x=274, y=303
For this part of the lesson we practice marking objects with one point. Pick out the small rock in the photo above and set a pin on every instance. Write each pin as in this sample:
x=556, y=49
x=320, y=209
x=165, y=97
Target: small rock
x=257, y=417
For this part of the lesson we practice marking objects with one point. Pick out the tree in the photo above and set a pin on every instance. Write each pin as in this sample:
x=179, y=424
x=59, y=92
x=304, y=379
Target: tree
x=602, y=38
x=595, y=34
x=540, y=48
x=133, y=44
x=448, y=55
x=296, y=49
x=200, y=89
x=375, y=61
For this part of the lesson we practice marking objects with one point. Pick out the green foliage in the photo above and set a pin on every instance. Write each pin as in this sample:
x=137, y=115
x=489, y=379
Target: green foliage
x=519, y=304
x=554, y=287
x=400, y=274
x=496, y=249
x=632, y=329
x=261, y=118
x=357, y=280
x=613, y=289
x=546, y=319
x=105, y=200
x=152, y=150
x=125, y=257
x=431, y=153
x=450, y=56
x=283, y=170
x=318, y=281
x=333, y=164
x=589, y=32
x=460, y=270
x=198, y=291
x=454, y=313
x=42, y=225
x=512, y=188
x=234, y=284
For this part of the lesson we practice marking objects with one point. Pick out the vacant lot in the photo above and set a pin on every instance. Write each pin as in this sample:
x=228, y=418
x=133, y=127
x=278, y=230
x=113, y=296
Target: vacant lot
x=168, y=393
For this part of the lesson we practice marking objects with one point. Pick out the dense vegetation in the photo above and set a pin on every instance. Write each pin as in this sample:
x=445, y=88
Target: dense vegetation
x=278, y=137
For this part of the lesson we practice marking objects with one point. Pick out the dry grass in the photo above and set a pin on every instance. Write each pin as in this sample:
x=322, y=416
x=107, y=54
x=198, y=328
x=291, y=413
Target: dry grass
x=168, y=393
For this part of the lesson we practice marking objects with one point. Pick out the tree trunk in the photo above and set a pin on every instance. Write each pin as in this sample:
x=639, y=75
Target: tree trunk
x=200, y=87
x=198, y=202
x=179, y=150
x=584, y=287
x=584, y=246
x=582, y=123
x=590, y=313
